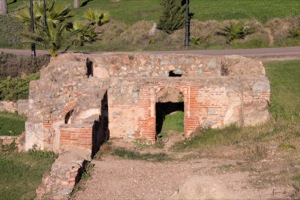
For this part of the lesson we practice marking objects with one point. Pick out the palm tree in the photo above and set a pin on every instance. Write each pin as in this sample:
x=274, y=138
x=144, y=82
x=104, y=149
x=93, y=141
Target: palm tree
x=59, y=32
x=3, y=7
x=54, y=15
x=96, y=17
x=82, y=33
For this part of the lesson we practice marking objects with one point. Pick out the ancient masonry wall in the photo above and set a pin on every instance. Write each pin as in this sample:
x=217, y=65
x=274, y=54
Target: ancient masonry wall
x=20, y=106
x=80, y=98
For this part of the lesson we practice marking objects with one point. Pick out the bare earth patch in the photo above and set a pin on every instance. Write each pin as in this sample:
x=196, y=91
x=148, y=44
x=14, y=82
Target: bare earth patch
x=189, y=176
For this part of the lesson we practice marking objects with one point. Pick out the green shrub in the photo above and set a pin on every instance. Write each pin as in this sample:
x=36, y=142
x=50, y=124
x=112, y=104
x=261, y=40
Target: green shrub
x=294, y=32
x=235, y=31
x=172, y=18
x=38, y=154
x=17, y=88
x=195, y=40
x=9, y=148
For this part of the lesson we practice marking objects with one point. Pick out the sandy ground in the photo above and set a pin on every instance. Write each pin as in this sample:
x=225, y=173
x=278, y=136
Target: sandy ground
x=198, y=177
x=113, y=178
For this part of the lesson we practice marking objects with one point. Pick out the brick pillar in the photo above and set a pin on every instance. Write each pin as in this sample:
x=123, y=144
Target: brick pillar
x=191, y=107
x=80, y=136
x=148, y=123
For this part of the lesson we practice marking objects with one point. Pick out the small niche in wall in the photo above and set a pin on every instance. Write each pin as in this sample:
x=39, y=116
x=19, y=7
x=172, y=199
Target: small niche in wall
x=68, y=117
x=175, y=73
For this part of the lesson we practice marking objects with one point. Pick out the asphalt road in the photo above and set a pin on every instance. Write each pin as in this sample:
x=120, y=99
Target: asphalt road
x=263, y=53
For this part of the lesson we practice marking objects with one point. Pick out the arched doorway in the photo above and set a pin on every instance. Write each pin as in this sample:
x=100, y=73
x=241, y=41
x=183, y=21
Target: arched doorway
x=169, y=110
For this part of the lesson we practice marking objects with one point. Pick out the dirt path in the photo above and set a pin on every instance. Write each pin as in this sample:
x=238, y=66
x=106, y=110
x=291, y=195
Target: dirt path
x=219, y=173
x=114, y=178
x=263, y=53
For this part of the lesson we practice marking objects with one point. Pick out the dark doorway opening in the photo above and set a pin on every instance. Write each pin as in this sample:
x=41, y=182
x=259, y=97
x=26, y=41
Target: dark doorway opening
x=162, y=110
x=100, y=127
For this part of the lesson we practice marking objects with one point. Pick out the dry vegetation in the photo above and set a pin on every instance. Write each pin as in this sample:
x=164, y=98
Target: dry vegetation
x=117, y=36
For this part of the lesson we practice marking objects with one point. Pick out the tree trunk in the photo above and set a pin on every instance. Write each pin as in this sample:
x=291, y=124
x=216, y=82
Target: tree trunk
x=76, y=3
x=3, y=7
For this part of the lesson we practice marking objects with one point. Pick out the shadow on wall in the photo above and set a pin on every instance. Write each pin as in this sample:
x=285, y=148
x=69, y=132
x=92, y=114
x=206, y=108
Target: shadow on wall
x=100, y=127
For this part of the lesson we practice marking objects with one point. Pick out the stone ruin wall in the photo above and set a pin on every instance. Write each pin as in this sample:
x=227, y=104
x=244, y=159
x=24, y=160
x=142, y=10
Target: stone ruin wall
x=73, y=101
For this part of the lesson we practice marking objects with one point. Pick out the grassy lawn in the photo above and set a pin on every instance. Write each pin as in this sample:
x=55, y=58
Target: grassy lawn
x=244, y=9
x=131, y=11
x=285, y=86
x=11, y=124
x=21, y=173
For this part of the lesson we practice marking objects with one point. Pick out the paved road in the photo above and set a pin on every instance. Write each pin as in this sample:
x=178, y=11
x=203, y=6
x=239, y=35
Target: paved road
x=263, y=53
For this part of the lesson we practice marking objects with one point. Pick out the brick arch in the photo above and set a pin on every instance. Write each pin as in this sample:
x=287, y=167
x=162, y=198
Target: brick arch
x=70, y=106
x=174, y=94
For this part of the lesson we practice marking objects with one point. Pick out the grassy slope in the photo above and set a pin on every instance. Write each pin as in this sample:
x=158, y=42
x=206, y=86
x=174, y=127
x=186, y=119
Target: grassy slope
x=11, y=124
x=131, y=11
x=21, y=173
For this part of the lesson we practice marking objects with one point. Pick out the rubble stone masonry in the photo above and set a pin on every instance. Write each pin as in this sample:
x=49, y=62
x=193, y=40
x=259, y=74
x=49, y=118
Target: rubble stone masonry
x=81, y=97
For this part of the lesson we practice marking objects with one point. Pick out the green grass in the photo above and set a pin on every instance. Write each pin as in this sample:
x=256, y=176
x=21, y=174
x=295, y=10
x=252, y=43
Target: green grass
x=16, y=88
x=132, y=155
x=11, y=124
x=285, y=89
x=283, y=129
x=21, y=173
x=297, y=178
x=210, y=137
x=244, y=9
x=174, y=121
x=131, y=11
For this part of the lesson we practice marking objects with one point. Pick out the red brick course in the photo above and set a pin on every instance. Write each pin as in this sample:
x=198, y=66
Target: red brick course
x=79, y=136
